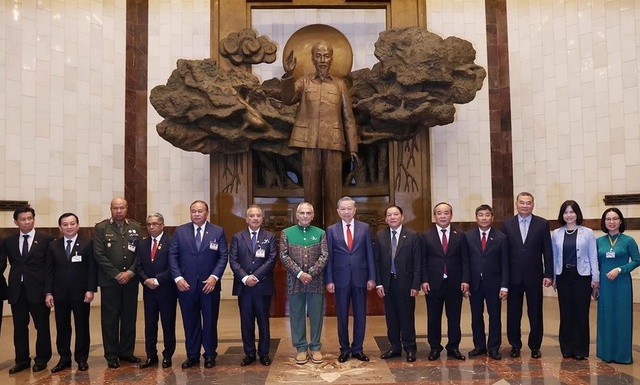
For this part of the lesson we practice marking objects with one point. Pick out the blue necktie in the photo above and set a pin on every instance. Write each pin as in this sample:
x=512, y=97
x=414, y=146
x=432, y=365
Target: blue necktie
x=198, y=238
x=254, y=242
x=394, y=248
x=67, y=249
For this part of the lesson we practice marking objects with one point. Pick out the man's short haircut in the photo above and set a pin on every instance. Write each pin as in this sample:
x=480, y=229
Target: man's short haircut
x=23, y=209
x=442, y=203
x=206, y=206
x=156, y=215
x=484, y=207
x=67, y=215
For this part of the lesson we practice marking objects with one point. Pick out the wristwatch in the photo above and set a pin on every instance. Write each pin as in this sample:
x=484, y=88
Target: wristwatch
x=619, y=270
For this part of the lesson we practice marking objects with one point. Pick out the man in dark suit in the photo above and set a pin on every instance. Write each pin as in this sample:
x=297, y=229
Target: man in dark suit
x=115, y=241
x=529, y=239
x=159, y=292
x=198, y=257
x=445, y=280
x=489, y=259
x=27, y=253
x=252, y=259
x=350, y=273
x=70, y=284
x=397, y=254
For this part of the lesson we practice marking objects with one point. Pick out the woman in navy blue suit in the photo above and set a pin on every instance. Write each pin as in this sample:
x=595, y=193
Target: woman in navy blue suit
x=576, y=274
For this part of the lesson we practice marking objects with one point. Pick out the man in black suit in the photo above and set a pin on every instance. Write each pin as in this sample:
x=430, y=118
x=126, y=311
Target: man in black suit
x=396, y=251
x=27, y=252
x=489, y=260
x=71, y=281
x=159, y=292
x=252, y=259
x=445, y=280
x=529, y=239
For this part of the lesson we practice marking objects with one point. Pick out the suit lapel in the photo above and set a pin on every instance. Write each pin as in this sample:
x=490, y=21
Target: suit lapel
x=247, y=240
x=402, y=236
x=261, y=237
x=341, y=231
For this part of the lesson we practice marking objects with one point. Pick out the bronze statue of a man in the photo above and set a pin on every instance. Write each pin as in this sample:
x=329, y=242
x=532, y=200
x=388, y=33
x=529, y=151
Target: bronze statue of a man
x=323, y=129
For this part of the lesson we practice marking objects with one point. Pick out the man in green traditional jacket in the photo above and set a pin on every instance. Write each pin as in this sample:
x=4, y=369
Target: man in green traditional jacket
x=304, y=253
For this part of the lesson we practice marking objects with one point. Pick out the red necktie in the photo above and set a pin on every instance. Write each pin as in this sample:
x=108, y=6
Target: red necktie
x=445, y=243
x=154, y=249
x=484, y=240
x=349, y=237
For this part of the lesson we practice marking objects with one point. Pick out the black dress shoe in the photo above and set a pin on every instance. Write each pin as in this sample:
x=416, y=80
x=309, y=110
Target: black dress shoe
x=248, y=360
x=567, y=355
x=434, y=354
x=131, y=359
x=38, y=367
x=580, y=358
x=390, y=354
x=60, y=366
x=515, y=352
x=149, y=362
x=343, y=357
x=265, y=360
x=190, y=362
x=113, y=364
x=18, y=368
x=456, y=354
x=83, y=366
x=209, y=362
x=411, y=356
x=360, y=356
x=535, y=353
x=166, y=363
x=495, y=354
x=477, y=352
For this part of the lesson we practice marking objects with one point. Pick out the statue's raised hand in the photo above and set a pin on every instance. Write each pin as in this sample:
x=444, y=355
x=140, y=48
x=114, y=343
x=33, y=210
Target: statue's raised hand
x=290, y=64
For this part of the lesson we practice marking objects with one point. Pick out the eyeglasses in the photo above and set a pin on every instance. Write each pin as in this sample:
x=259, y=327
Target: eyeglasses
x=151, y=224
x=616, y=219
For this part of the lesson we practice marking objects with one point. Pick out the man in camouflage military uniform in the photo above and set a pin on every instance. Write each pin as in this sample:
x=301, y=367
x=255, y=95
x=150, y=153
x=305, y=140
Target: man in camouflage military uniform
x=304, y=253
x=115, y=241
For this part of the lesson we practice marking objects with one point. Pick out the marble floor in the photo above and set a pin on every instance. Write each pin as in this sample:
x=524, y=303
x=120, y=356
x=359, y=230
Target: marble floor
x=550, y=369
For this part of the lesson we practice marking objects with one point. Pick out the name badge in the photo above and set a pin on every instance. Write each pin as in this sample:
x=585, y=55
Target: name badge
x=611, y=254
x=76, y=258
x=260, y=253
x=131, y=248
x=213, y=245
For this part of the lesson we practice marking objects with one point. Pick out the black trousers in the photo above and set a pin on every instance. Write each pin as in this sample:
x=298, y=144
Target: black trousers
x=399, y=312
x=255, y=309
x=515, y=301
x=448, y=296
x=163, y=309
x=574, y=300
x=491, y=296
x=40, y=314
x=81, y=311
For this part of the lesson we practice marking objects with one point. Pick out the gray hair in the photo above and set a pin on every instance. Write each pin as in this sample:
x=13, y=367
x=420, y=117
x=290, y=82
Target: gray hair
x=156, y=215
